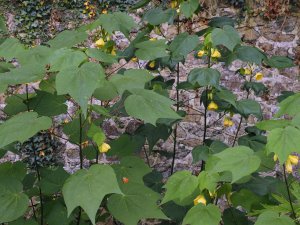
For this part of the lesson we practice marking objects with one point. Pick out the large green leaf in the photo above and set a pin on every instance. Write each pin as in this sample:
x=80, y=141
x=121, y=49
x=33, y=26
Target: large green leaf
x=63, y=58
x=150, y=50
x=182, y=188
x=250, y=54
x=13, y=203
x=117, y=21
x=21, y=127
x=11, y=48
x=283, y=141
x=67, y=39
x=183, y=44
x=208, y=181
x=37, y=55
x=189, y=7
x=80, y=83
x=138, y=202
x=273, y=218
x=290, y=105
x=203, y=215
x=52, y=180
x=240, y=161
x=15, y=170
x=158, y=16
x=101, y=55
x=221, y=22
x=227, y=36
x=25, y=74
x=87, y=188
x=204, y=76
x=149, y=106
x=132, y=79
x=279, y=62
x=247, y=107
x=55, y=213
x=47, y=104
x=272, y=124
x=105, y=91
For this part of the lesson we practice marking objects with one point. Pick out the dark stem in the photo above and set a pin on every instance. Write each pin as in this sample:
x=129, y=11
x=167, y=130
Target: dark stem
x=205, y=108
x=237, y=132
x=177, y=108
x=80, y=141
x=288, y=192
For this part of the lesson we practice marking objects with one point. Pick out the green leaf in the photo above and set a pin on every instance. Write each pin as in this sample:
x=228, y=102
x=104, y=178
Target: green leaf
x=290, y=105
x=247, y=107
x=13, y=203
x=101, y=56
x=138, y=202
x=15, y=104
x=150, y=50
x=250, y=54
x=55, y=213
x=240, y=161
x=67, y=39
x=97, y=134
x=228, y=37
x=203, y=215
x=182, y=188
x=47, y=104
x=208, y=181
x=201, y=77
x=80, y=83
x=149, y=106
x=183, y=44
x=257, y=142
x=25, y=74
x=227, y=96
x=117, y=21
x=87, y=188
x=126, y=145
x=132, y=79
x=11, y=48
x=38, y=55
x=189, y=7
x=105, y=91
x=3, y=28
x=52, y=179
x=140, y=4
x=221, y=22
x=233, y=216
x=158, y=16
x=273, y=218
x=283, y=142
x=15, y=170
x=21, y=127
x=247, y=199
x=279, y=62
x=63, y=58
x=258, y=88
x=272, y=124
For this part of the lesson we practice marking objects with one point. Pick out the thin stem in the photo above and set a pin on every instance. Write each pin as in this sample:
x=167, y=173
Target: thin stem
x=288, y=192
x=80, y=141
x=147, y=157
x=177, y=108
x=237, y=131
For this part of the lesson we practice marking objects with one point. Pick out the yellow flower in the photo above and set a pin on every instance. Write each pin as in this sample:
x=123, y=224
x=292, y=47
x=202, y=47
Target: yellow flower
x=152, y=64
x=100, y=43
x=258, y=76
x=104, y=11
x=200, y=199
x=84, y=144
x=228, y=122
x=153, y=39
x=134, y=59
x=289, y=167
x=293, y=159
x=113, y=52
x=173, y=4
x=275, y=157
x=200, y=53
x=212, y=106
x=247, y=71
x=215, y=53
x=104, y=148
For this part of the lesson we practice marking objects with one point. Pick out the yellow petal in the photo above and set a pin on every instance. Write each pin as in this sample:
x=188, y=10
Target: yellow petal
x=153, y=39
x=212, y=106
x=134, y=59
x=227, y=122
x=288, y=167
x=200, y=53
x=104, y=148
x=215, y=53
x=100, y=43
x=275, y=157
x=247, y=71
x=293, y=159
x=152, y=64
x=200, y=199
x=258, y=76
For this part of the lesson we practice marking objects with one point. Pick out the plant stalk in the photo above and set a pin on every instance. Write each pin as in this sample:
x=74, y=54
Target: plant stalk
x=288, y=192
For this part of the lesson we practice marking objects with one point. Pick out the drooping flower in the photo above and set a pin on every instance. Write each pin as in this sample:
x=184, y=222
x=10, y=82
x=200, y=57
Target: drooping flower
x=100, y=43
x=134, y=59
x=259, y=76
x=152, y=64
x=200, y=199
x=212, y=106
x=104, y=148
x=215, y=53
x=200, y=53
x=228, y=122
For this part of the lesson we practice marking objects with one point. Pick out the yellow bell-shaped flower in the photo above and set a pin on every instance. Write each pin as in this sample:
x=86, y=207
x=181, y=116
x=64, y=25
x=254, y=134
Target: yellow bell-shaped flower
x=227, y=122
x=200, y=53
x=200, y=199
x=289, y=167
x=215, y=53
x=293, y=159
x=104, y=148
x=100, y=43
x=259, y=76
x=212, y=106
